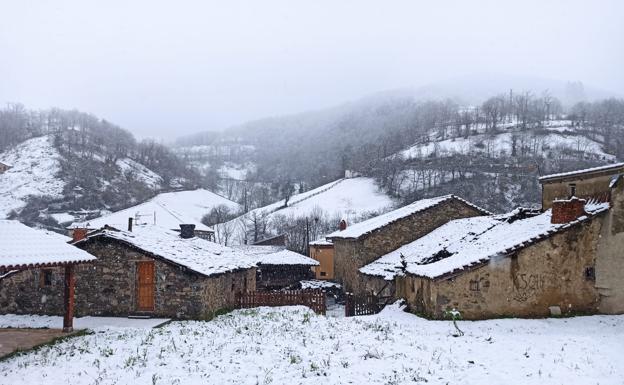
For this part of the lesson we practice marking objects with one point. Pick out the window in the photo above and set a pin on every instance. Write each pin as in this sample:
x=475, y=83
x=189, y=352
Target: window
x=474, y=285
x=323, y=274
x=572, y=188
x=590, y=274
x=45, y=278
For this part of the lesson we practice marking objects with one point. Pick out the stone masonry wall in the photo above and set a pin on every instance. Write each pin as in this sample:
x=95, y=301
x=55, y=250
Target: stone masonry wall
x=552, y=272
x=108, y=287
x=584, y=187
x=350, y=255
x=610, y=261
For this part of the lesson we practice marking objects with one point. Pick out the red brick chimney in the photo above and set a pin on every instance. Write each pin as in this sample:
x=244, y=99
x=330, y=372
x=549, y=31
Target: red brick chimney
x=567, y=210
x=342, y=225
x=78, y=234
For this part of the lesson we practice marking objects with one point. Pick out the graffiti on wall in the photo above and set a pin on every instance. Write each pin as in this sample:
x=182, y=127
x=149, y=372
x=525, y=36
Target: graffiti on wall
x=527, y=285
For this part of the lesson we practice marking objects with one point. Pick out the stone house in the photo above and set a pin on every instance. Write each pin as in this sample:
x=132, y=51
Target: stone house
x=528, y=263
x=367, y=241
x=152, y=271
x=278, y=268
x=4, y=167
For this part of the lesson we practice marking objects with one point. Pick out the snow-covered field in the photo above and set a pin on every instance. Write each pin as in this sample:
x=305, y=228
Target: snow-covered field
x=295, y=346
x=35, y=164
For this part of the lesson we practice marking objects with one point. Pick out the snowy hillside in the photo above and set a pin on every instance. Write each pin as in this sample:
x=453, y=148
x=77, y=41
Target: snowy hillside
x=350, y=199
x=559, y=138
x=40, y=171
x=35, y=165
x=167, y=210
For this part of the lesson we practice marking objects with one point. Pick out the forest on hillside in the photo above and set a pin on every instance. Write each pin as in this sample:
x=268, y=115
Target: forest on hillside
x=369, y=136
x=102, y=165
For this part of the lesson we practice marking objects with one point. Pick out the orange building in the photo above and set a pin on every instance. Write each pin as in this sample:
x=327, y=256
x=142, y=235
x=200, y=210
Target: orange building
x=323, y=252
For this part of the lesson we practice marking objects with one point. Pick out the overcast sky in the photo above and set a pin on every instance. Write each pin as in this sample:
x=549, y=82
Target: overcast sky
x=164, y=69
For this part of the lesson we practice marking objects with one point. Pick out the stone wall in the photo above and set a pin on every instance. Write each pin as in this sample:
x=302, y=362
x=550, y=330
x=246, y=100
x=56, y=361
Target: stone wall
x=557, y=271
x=108, y=287
x=610, y=261
x=351, y=254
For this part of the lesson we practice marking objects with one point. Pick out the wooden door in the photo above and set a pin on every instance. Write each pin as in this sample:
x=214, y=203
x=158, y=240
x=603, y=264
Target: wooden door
x=145, y=285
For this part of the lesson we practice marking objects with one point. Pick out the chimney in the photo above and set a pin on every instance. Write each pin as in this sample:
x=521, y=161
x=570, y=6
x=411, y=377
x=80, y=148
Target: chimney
x=130, y=224
x=78, y=234
x=343, y=225
x=567, y=210
x=187, y=231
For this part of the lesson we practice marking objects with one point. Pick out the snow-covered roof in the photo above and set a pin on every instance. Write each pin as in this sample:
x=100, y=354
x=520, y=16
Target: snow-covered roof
x=275, y=255
x=167, y=210
x=462, y=243
x=5, y=163
x=322, y=242
x=199, y=255
x=368, y=226
x=609, y=167
x=22, y=247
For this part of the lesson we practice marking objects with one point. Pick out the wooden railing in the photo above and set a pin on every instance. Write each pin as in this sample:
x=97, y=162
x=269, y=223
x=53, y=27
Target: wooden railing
x=314, y=299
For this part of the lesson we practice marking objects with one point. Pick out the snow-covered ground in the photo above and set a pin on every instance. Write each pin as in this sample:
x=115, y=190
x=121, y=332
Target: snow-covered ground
x=95, y=323
x=295, y=346
x=35, y=164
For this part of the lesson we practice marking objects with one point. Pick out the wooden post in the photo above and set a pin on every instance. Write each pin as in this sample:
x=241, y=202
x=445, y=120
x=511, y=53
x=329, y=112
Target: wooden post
x=68, y=317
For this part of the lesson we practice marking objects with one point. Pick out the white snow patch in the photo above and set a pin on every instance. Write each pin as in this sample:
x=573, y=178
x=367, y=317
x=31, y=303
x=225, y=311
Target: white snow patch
x=35, y=166
x=141, y=173
x=32, y=321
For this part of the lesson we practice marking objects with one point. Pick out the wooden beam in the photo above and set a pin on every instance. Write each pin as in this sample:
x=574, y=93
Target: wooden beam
x=68, y=317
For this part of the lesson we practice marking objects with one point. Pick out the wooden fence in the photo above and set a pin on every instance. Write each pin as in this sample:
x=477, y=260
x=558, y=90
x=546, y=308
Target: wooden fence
x=314, y=299
x=361, y=305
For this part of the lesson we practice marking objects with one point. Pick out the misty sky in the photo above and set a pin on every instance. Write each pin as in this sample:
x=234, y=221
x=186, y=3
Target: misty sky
x=164, y=69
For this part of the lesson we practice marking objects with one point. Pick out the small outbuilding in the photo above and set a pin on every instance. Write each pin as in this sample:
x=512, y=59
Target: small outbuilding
x=30, y=262
x=278, y=268
x=322, y=250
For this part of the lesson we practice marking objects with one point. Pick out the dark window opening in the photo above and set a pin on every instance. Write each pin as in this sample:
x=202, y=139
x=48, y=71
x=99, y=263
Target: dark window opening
x=323, y=274
x=590, y=274
x=474, y=285
x=46, y=278
x=572, y=187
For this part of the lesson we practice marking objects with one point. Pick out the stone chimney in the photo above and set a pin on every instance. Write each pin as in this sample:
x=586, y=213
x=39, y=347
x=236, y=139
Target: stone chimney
x=130, y=224
x=342, y=225
x=567, y=210
x=187, y=231
x=78, y=234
